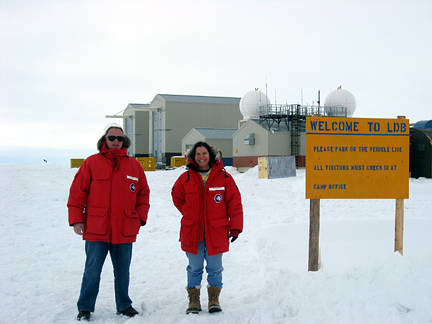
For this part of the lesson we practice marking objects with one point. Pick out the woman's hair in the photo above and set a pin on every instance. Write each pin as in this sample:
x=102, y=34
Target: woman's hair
x=192, y=152
x=126, y=142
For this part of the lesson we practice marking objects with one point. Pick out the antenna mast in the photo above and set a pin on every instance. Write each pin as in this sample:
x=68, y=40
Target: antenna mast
x=266, y=89
x=301, y=96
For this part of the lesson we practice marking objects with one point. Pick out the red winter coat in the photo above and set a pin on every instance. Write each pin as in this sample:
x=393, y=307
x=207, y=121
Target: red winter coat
x=110, y=196
x=209, y=213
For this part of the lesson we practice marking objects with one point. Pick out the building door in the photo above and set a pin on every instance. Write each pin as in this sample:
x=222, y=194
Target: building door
x=129, y=130
x=157, y=134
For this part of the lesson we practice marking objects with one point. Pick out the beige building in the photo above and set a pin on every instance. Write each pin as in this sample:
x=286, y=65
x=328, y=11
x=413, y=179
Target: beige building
x=157, y=129
x=254, y=139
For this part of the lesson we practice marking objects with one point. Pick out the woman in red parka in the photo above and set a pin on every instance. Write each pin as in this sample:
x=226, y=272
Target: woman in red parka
x=108, y=202
x=210, y=204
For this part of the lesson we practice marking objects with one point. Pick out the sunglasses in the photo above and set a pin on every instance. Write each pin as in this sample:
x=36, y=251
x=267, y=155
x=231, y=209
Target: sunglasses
x=119, y=138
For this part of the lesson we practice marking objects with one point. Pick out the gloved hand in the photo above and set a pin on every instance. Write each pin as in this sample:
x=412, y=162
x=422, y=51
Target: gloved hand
x=234, y=235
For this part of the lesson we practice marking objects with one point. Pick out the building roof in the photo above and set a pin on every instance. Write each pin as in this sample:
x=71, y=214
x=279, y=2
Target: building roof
x=201, y=99
x=217, y=133
x=138, y=105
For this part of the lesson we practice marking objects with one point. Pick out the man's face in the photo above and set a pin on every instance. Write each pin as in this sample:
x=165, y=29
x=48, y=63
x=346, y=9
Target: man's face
x=115, y=144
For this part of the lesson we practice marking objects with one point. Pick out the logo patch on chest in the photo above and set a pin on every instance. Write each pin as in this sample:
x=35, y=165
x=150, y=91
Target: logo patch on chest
x=218, y=198
x=132, y=187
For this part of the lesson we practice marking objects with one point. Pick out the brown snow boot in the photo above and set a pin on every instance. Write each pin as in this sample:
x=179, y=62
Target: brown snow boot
x=213, y=294
x=194, y=300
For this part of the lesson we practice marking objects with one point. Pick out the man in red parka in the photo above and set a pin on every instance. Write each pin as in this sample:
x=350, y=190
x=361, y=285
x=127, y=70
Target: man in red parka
x=210, y=203
x=108, y=202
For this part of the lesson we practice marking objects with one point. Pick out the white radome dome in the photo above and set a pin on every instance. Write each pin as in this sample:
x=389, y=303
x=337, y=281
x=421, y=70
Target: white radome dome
x=339, y=98
x=250, y=103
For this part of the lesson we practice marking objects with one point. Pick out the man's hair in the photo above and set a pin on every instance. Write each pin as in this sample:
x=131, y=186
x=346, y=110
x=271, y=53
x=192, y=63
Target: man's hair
x=126, y=142
x=192, y=152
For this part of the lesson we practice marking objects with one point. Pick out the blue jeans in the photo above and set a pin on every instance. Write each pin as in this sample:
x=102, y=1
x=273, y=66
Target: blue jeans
x=196, y=265
x=121, y=255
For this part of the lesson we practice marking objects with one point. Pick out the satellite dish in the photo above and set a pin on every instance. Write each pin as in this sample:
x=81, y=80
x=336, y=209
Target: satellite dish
x=340, y=102
x=251, y=102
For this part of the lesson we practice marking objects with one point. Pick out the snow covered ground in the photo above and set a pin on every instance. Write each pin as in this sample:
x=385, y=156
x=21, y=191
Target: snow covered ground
x=265, y=279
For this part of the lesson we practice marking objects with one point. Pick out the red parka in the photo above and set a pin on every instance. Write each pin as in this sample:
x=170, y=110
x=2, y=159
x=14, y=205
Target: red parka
x=110, y=196
x=209, y=213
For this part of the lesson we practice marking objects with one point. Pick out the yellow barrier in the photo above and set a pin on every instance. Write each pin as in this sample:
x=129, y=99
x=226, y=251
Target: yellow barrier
x=178, y=161
x=262, y=167
x=147, y=163
x=76, y=163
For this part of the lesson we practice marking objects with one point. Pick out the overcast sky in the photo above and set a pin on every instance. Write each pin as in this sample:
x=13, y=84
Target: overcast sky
x=65, y=64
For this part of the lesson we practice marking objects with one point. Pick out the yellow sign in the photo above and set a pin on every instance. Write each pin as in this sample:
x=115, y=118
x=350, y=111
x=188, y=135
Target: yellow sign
x=357, y=158
x=147, y=163
x=178, y=161
x=76, y=163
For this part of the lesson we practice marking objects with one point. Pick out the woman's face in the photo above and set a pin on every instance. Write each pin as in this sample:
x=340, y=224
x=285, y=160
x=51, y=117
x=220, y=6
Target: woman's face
x=202, y=158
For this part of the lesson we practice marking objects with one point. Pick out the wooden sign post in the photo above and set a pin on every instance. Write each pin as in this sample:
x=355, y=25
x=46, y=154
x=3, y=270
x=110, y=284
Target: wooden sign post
x=399, y=221
x=352, y=158
x=314, y=227
x=399, y=225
